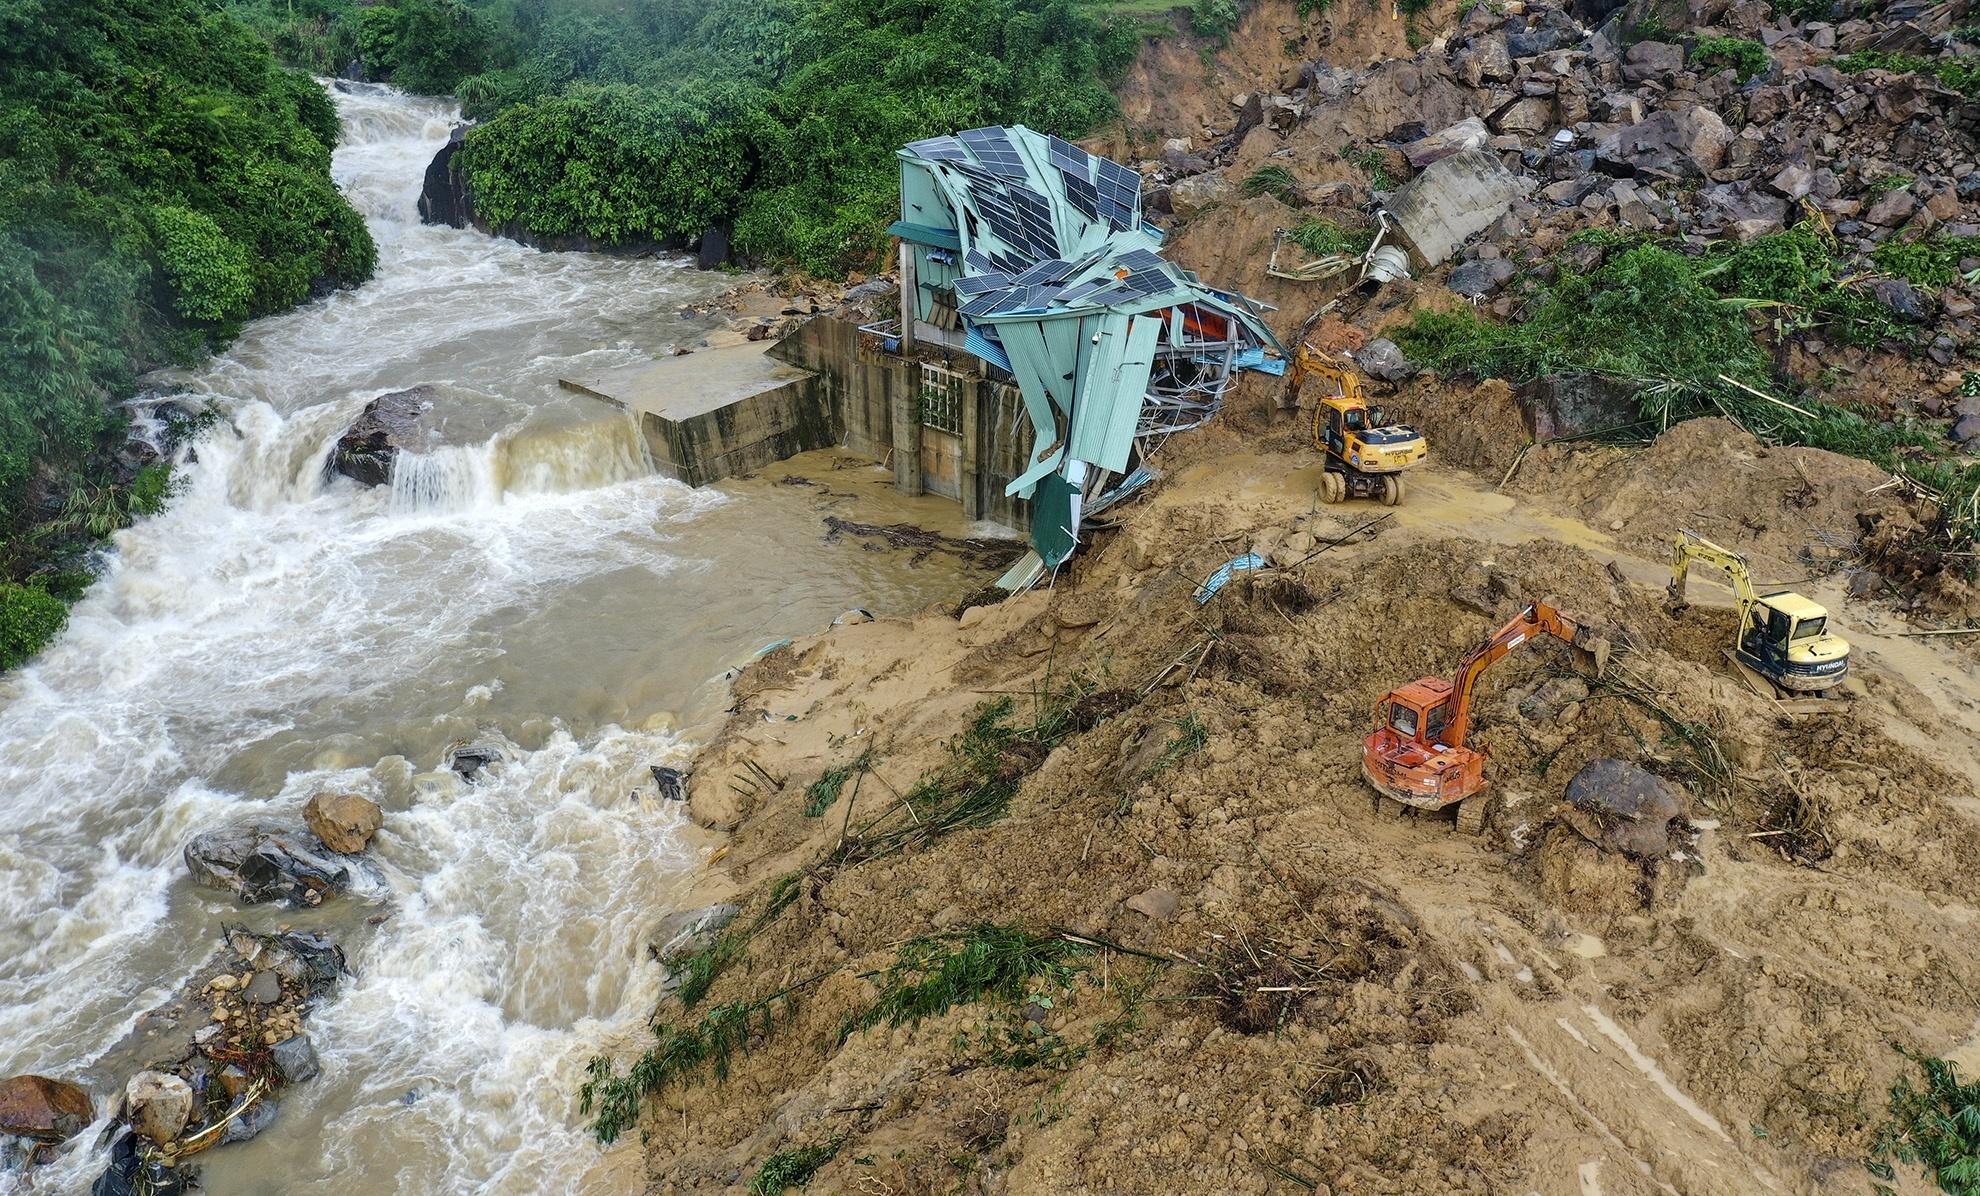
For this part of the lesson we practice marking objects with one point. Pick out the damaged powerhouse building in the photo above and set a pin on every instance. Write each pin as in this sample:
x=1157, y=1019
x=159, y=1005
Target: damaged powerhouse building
x=1033, y=253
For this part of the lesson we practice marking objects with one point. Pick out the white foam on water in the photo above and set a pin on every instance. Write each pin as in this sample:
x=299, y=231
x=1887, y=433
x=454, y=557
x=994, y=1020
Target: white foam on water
x=276, y=631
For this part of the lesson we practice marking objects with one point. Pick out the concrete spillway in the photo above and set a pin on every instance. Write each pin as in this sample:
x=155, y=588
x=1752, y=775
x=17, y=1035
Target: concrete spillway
x=718, y=413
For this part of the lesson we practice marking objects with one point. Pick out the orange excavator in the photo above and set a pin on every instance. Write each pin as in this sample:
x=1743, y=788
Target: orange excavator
x=1416, y=754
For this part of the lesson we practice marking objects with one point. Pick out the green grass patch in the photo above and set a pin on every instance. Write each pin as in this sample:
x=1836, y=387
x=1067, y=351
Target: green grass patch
x=820, y=795
x=1962, y=74
x=1934, y=1126
x=1190, y=738
x=987, y=762
x=1370, y=161
x=1275, y=181
x=679, y=1055
x=1927, y=262
x=794, y=1168
x=698, y=969
x=1324, y=238
x=1748, y=59
x=935, y=973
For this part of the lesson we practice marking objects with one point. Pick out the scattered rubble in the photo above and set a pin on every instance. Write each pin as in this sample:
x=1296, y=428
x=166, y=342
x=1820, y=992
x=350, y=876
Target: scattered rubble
x=211, y=1061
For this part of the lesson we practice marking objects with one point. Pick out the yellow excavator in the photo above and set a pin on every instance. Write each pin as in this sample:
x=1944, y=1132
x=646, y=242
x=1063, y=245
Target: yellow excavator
x=1782, y=648
x=1365, y=455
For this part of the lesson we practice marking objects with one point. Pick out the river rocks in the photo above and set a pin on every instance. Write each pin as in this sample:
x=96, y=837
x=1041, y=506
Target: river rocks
x=466, y=760
x=443, y=196
x=158, y=1105
x=344, y=821
x=389, y=424
x=294, y=1059
x=266, y=859
x=133, y=1174
x=672, y=782
x=43, y=1109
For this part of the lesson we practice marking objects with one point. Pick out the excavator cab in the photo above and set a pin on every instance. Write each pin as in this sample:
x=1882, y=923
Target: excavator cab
x=1786, y=638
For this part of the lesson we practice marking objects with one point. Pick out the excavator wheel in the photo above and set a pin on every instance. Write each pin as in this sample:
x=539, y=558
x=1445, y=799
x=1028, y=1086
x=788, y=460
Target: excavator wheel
x=1471, y=815
x=1392, y=490
x=1333, y=487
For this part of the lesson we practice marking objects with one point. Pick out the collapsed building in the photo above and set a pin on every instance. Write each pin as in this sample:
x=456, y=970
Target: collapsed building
x=1031, y=254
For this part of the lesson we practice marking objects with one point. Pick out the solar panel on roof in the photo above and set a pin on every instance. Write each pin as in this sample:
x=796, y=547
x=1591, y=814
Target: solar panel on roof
x=1084, y=290
x=939, y=149
x=1068, y=157
x=977, y=261
x=1148, y=282
x=1081, y=195
x=995, y=151
x=1140, y=259
x=1050, y=270
x=977, y=284
x=982, y=305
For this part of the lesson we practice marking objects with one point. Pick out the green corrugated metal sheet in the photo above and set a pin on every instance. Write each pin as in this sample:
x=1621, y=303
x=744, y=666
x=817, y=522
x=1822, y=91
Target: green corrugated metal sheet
x=922, y=234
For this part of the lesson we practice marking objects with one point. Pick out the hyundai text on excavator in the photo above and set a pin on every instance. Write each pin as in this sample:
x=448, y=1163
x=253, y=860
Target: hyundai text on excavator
x=1782, y=646
x=1417, y=754
x=1365, y=455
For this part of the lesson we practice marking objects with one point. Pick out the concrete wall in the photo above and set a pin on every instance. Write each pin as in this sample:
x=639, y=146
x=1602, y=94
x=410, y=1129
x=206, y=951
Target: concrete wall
x=743, y=436
x=864, y=388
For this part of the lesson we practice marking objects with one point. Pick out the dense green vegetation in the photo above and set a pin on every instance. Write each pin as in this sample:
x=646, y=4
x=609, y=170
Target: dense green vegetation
x=779, y=118
x=162, y=180
x=1962, y=74
x=1748, y=59
x=1934, y=1127
x=1684, y=326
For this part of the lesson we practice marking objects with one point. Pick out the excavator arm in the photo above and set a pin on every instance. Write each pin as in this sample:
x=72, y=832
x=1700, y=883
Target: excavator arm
x=1536, y=620
x=1691, y=547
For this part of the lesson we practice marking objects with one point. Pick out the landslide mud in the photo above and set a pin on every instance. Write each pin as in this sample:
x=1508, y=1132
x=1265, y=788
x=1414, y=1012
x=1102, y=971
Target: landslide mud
x=1368, y=1003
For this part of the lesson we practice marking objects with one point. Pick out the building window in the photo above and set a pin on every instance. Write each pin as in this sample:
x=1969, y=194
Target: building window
x=943, y=392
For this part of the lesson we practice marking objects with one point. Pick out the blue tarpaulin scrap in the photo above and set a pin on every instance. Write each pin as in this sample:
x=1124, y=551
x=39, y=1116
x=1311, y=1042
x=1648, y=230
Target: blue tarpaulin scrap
x=1222, y=576
x=1255, y=359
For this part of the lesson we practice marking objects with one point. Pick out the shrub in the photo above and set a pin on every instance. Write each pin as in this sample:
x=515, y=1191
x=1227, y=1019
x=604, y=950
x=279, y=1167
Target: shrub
x=1324, y=238
x=1213, y=18
x=1273, y=180
x=1935, y=1127
x=207, y=271
x=1748, y=59
x=1926, y=262
x=29, y=618
x=793, y=1168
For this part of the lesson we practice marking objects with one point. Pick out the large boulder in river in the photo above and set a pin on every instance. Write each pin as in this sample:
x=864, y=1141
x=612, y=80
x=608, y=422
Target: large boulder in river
x=443, y=196
x=44, y=1109
x=267, y=859
x=389, y=423
x=344, y=821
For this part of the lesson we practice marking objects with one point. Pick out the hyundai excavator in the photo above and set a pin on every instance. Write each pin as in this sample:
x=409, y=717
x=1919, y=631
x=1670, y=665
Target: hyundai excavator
x=1417, y=755
x=1365, y=456
x=1782, y=647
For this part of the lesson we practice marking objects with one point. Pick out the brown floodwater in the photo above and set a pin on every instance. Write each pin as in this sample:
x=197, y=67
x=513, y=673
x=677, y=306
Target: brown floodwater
x=525, y=582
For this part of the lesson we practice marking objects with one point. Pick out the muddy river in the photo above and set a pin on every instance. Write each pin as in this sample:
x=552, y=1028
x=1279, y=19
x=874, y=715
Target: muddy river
x=527, y=582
